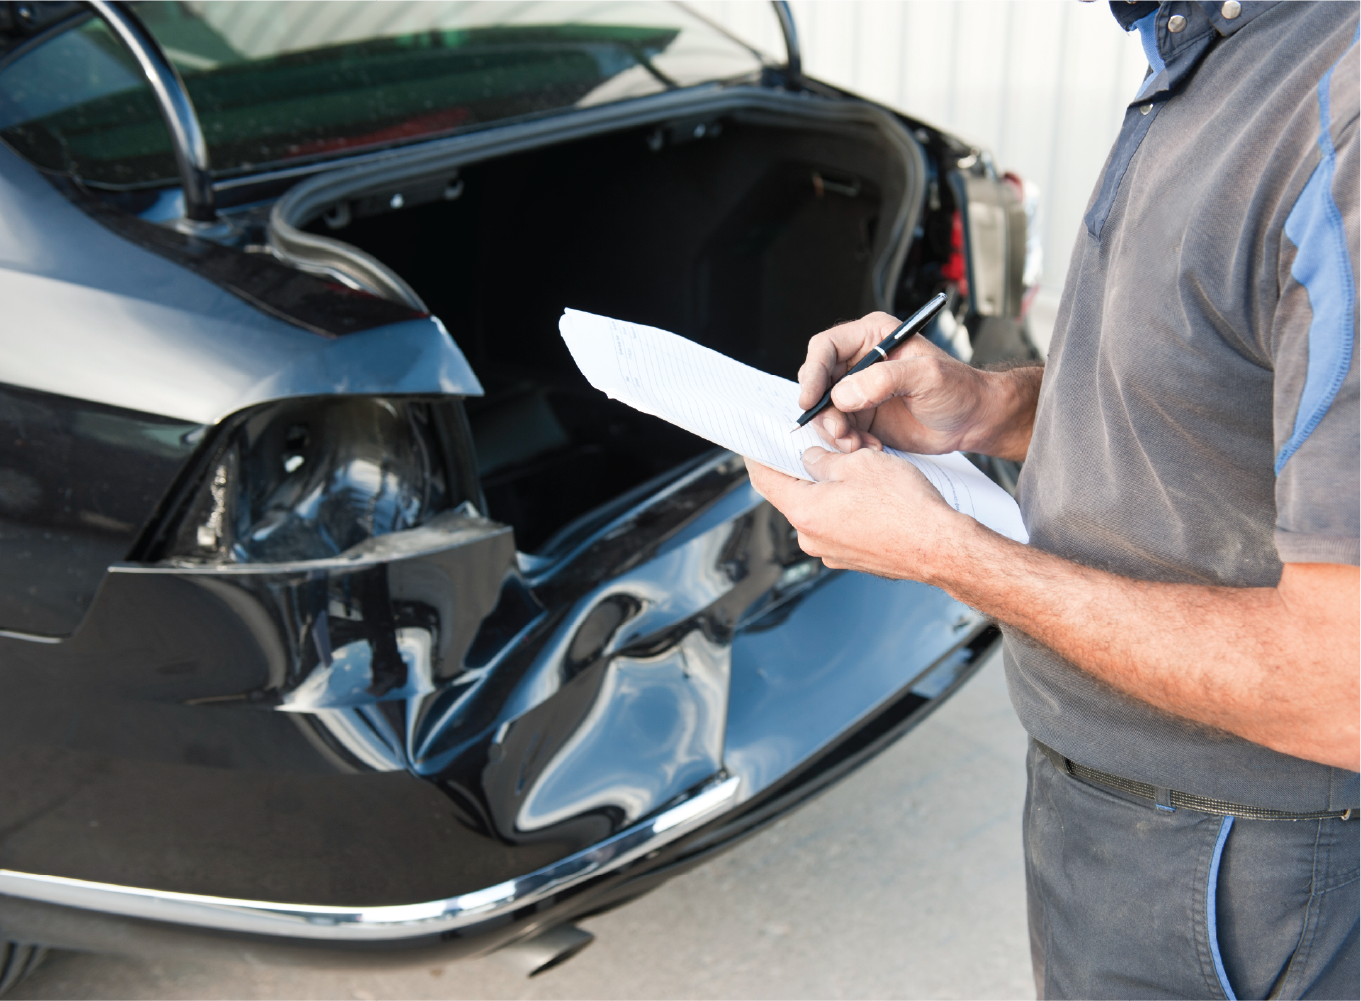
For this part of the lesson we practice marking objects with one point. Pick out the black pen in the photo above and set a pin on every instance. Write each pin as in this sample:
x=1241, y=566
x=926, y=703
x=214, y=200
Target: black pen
x=902, y=332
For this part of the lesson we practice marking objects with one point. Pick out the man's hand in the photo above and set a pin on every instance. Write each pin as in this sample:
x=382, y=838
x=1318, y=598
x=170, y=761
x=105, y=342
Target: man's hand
x=866, y=511
x=920, y=400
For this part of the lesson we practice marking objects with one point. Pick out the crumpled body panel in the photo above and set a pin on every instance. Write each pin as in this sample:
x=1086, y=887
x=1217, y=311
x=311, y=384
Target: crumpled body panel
x=428, y=719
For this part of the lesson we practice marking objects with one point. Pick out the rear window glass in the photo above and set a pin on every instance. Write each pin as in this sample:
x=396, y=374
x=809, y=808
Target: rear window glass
x=277, y=83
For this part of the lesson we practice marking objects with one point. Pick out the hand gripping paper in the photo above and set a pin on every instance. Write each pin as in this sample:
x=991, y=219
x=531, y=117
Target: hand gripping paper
x=745, y=409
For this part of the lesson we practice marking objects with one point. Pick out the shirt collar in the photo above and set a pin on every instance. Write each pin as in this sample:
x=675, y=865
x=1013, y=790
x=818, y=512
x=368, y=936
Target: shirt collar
x=1226, y=26
x=1181, y=51
x=1128, y=12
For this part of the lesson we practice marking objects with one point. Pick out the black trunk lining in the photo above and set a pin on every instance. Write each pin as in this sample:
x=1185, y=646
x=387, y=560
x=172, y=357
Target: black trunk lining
x=750, y=243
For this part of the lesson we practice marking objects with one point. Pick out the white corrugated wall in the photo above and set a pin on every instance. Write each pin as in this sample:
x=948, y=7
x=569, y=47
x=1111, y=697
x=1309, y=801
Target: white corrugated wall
x=1041, y=83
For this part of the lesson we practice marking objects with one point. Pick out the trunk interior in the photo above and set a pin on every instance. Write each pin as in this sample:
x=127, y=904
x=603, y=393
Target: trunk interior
x=749, y=241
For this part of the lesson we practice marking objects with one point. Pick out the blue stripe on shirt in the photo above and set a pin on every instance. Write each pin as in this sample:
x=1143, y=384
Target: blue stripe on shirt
x=1323, y=266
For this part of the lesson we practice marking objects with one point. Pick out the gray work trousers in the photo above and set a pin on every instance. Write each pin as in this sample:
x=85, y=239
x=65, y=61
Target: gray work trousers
x=1127, y=900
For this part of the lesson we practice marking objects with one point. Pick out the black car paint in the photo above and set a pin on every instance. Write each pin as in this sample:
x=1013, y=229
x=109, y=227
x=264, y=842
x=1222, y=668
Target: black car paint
x=317, y=304
x=60, y=532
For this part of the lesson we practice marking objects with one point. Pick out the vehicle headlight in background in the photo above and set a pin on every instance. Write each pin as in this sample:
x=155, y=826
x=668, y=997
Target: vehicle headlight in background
x=309, y=479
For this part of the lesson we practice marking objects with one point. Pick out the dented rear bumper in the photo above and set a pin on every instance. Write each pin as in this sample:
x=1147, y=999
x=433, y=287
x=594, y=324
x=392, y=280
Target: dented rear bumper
x=441, y=740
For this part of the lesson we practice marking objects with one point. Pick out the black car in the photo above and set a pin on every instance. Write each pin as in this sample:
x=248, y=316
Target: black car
x=336, y=609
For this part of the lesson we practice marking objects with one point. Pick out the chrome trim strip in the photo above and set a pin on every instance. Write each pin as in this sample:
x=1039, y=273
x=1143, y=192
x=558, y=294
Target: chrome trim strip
x=186, y=136
x=367, y=924
x=10, y=634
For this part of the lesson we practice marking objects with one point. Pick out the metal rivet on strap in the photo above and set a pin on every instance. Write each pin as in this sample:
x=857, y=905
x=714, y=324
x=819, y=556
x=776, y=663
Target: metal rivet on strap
x=1176, y=23
x=1145, y=108
x=1231, y=9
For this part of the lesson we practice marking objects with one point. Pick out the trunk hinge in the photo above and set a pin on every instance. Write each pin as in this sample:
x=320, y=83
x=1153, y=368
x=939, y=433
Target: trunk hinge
x=793, y=70
x=186, y=136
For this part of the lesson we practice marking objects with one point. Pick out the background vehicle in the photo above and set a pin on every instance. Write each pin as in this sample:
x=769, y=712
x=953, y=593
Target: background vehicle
x=321, y=625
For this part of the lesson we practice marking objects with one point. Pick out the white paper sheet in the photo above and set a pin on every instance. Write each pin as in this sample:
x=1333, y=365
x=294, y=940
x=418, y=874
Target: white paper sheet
x=745, y=409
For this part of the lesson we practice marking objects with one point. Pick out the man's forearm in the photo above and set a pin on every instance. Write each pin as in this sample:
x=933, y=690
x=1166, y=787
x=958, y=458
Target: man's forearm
x=1005, y=427
x=1246, y=660
x=1277, y=666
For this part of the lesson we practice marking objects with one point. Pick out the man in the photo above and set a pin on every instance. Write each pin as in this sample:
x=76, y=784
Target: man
x=1182, y=631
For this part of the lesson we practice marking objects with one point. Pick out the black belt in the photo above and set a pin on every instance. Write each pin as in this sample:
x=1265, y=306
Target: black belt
x=1170, y=799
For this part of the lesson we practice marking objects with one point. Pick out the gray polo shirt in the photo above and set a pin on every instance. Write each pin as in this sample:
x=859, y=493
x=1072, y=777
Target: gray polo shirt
x=1199, y=416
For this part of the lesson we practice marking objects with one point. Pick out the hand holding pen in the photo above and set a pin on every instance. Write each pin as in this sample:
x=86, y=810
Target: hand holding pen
x=917, y=321
x=920, y=400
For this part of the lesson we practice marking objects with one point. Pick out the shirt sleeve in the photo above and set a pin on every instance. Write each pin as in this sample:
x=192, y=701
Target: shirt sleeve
x=1316, y=412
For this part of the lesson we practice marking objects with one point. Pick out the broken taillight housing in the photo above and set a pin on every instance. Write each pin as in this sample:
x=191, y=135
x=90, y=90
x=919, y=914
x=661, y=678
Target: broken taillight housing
x=309, y=479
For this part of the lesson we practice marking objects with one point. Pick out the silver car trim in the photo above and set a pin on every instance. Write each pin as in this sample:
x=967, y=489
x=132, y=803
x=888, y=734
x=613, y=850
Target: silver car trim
x=186, y=135
x=390, y=922
x=10, y=634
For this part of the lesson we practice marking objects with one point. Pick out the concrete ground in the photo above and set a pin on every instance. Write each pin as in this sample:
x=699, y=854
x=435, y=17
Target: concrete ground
x=903, y=881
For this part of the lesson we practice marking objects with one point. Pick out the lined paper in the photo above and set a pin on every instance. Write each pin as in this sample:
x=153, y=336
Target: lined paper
x=744, y=409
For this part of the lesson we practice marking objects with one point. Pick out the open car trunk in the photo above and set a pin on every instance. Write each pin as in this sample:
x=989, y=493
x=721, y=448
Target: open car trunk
x=747, y=231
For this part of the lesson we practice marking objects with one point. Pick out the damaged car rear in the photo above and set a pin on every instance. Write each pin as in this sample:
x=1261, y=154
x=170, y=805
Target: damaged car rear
x=337, y=609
